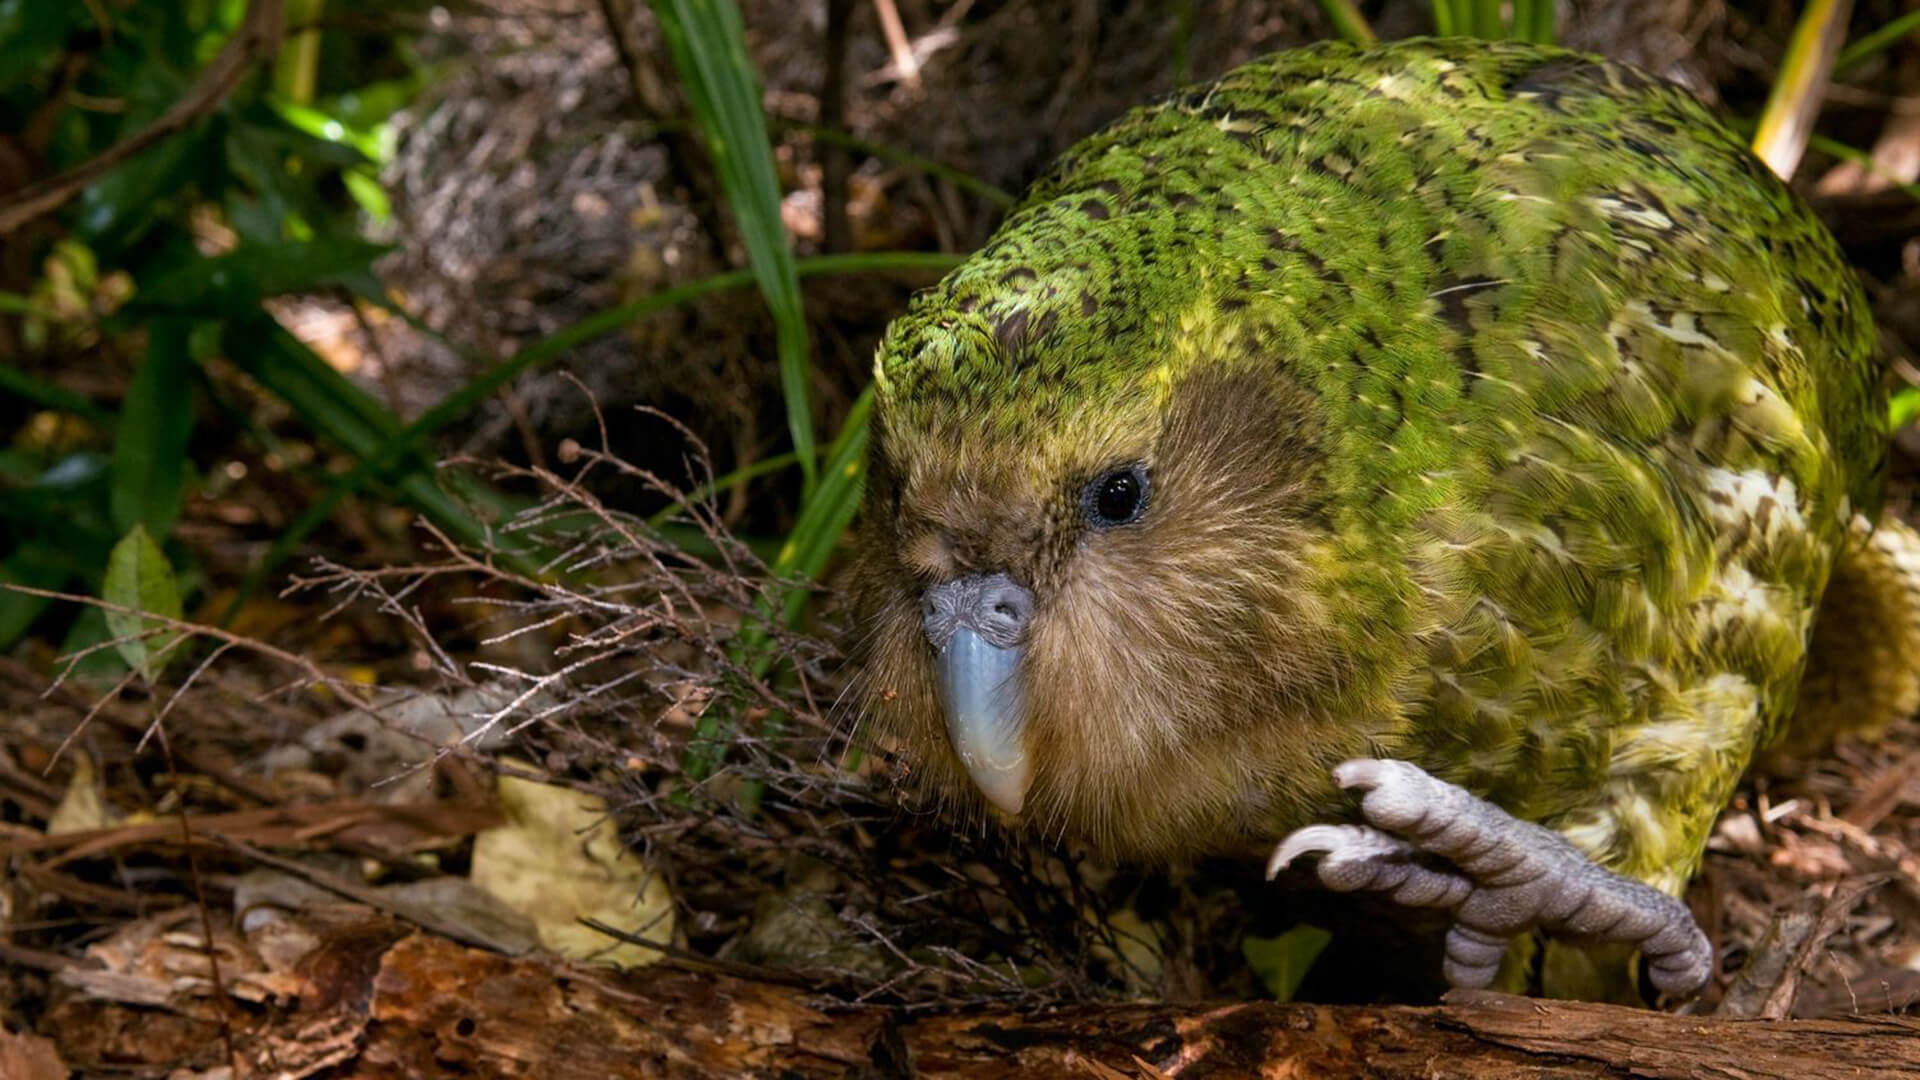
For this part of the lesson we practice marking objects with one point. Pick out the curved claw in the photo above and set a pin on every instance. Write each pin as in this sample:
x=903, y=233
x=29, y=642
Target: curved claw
x=1349, y=840
x=1356, y=858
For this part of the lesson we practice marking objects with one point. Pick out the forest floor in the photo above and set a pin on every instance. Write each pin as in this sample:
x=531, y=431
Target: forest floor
x=270, y=862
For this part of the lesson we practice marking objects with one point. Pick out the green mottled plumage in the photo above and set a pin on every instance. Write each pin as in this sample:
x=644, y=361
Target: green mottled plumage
x=1505, y=415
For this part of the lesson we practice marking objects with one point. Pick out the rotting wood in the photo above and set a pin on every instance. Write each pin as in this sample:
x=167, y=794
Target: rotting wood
x=429, y=1007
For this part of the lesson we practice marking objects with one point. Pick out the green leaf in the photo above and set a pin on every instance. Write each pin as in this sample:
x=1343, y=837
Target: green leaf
x=364, y=186
x=1281, y=962
x=278, y=151
x=139, y=577
x=368, y=108
x=150, y=441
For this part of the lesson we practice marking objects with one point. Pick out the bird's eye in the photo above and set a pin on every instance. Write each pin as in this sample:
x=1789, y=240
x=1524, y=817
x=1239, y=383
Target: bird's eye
x=1117, y=497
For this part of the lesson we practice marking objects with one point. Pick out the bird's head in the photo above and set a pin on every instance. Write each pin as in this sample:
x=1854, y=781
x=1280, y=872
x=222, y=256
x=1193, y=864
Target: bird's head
x=1090, y=576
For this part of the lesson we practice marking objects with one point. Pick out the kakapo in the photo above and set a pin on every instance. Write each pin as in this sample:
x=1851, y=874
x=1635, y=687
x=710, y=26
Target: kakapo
x=1432, y=456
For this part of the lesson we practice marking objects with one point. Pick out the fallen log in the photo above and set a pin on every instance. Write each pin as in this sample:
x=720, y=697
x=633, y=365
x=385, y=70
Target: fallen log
x=384, y=1006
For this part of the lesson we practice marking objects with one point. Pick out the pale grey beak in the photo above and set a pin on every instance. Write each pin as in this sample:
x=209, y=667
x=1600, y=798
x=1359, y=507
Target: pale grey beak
x=975, y=625
x=980, y=688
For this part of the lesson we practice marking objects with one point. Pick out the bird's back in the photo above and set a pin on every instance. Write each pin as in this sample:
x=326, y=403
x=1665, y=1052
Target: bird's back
x=1597, y=393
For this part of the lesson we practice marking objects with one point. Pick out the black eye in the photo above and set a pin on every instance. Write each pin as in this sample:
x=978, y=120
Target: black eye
x=1117, y=497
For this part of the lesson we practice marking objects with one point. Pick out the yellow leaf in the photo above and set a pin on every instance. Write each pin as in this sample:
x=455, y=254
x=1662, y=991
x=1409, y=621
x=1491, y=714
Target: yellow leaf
x=558, y=859
x=84, y=806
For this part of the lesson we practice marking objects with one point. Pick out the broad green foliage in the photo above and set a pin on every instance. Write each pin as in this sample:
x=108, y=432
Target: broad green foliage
x=287, y=164
x=131, y=263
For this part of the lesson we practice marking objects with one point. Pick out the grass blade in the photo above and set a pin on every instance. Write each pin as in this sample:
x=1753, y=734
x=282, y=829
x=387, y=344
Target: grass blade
x=48, y=396
x=1865, y=160
x=412, y=439
x=1875, y=41
x=336, y=408
x=1486, y=20
x=1787, y=121
x=824, y=519
x=709, y=49
x=1182, y=40
x=1536, y=20
x=150, y=441
x=1347, y=22
x=721, y=483
x=964, y=181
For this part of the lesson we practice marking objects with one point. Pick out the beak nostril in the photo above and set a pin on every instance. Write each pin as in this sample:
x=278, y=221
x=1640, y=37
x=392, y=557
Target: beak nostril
x=991, y=604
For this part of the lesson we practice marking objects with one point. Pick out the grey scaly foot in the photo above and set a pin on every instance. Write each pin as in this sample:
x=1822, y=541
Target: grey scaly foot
x=1507, y=876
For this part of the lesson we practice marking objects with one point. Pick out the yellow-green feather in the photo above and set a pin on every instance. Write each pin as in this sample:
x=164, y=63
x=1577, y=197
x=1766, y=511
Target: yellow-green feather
x=1595, y=398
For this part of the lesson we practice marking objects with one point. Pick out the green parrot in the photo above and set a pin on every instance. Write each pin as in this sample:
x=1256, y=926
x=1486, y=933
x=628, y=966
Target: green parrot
x=1472, y=428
